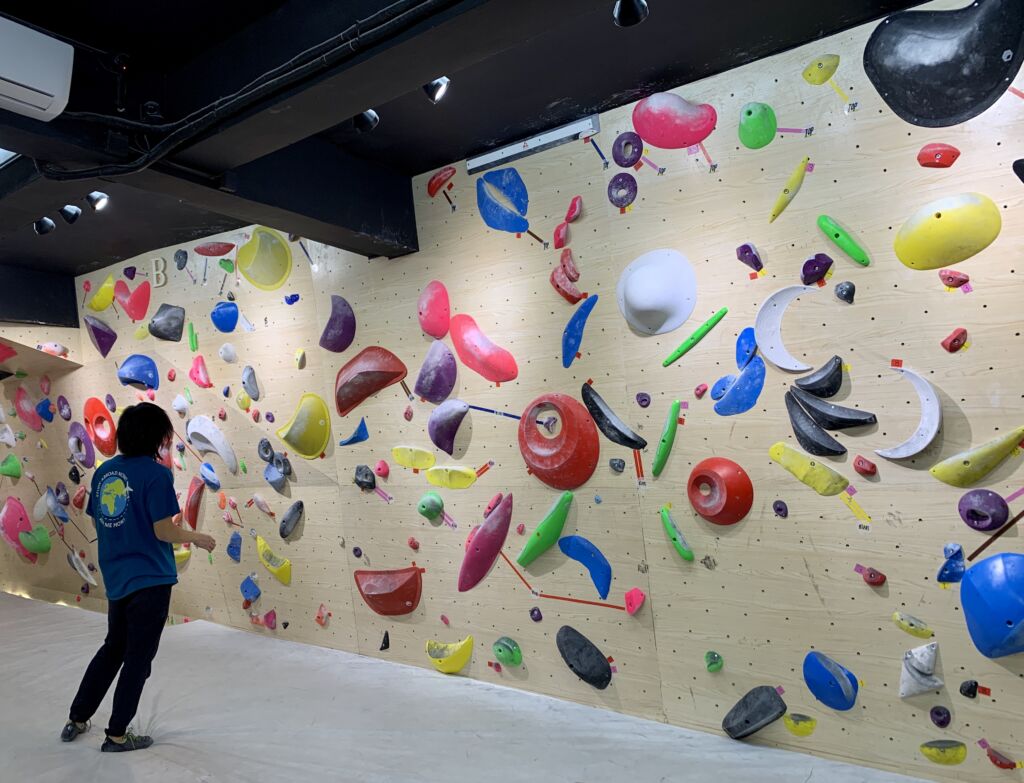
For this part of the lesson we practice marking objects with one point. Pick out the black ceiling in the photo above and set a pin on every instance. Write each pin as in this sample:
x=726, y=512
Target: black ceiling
x=517, y=67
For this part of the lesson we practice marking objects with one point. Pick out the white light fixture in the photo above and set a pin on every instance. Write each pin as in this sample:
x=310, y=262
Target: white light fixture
x=436, y=89
x=97, y=200
x=70, y=213
x=43, y=226
x=581, y=129
x=366, y=121
x=630, y=12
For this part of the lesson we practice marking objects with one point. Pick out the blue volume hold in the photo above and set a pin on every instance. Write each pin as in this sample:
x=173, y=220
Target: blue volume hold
x=992, y=596
x=831, y=683
x=743, y=394
x=496, y=214
x=224, y=316
x=572, y=336
x=580, y=549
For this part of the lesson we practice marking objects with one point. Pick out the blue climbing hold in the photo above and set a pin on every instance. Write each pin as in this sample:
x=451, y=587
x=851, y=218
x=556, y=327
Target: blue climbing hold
x=831, y=683
x=250, y=590
x=746, y=347
x=291, y=299
x=224, y=316
x=572, y=336
x=722, y=386
x=45, y=410
x=358, y=436
x=235, y=547
x=209, y=476
x=952, y=570
x=274, y=477
x=502, y=200
x=992, y=596
x=580, y=549
x=739, y=394
x=139, y=370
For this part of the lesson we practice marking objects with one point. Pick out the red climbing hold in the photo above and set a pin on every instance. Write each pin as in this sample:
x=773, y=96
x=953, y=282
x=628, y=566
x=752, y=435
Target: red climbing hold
x=720, y=491
x=372, y=369
x=566, y=288
x=864, y=466
x=568, y=459
x=100, y=426
x=192, y=501
x=434, y=309
x=700, y=391
x=568, y=264
x=937, y=156
x=439, y=179
x=413, y=543
x=172, y=374
x=479, y=354
x=956, y=340
x=391, y=592
x=953, y=279
x=561, y=235
x=134, y=303
x=575, y=209
x=213, y=249
x=873, y=577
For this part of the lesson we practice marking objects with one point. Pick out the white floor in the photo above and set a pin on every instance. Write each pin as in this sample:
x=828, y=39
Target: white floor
x=229, y=706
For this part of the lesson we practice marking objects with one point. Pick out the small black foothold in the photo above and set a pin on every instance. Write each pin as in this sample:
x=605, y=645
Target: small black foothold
x=969, y=688
x=846, y=291
x=284, y=625
x=385, y=642
x=616, y=464
x=74, y=475
x=364, y=477
x=231, y=296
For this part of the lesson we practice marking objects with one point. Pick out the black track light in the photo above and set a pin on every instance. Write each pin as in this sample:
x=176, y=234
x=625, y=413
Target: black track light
x=97, y=200
x=436, y=89
x=366, y=121
x=630, y=12
x=43, y=226
x=70, y=213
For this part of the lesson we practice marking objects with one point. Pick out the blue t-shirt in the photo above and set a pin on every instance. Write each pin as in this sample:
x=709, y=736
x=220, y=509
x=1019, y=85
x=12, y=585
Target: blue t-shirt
x=128, y=496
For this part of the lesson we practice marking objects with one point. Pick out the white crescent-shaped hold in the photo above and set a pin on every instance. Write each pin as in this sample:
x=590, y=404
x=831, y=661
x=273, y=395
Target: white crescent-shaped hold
x=927, y=427
x=768, y=328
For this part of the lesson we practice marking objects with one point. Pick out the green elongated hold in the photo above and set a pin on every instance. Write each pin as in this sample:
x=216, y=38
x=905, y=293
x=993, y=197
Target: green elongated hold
x=699, y=334
x=675, y=535
x=547, y=532
x=193, y=340
x=668, y=437
x=842, y=239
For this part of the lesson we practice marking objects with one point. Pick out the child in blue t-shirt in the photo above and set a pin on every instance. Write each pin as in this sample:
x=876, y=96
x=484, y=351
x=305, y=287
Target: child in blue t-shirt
x=132, y=501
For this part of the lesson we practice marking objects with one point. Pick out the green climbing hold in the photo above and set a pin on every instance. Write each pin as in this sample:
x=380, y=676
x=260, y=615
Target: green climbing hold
x=668, y=437
x=507, y=651
x=10, y=467
x=431, y=506
x=243, y=466
x=675, y=535
x=842, y=239
x=193, y=339
x=547, y=531
x=36, y=540
x=713, y=661
x=227, y=265
x=757, y=125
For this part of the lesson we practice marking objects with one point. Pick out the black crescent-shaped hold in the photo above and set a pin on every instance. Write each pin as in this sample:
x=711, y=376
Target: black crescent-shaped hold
x=1018, y=169
x=812, y=437
x=614, y=428
x=825, y=381
x=831, y=416
x=757, y=708
x=582, y=656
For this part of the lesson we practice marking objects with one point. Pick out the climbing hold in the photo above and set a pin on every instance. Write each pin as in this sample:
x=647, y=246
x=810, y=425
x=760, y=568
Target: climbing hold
x=918, y=673
x=614, y=428
x=368, y=372
x=956, y=340
x=584, y=551
x=444, y=423
x=249, y=383
x=413, y=457
x=748, y=254
x=657, y=292
x=808, y=432
x=969, y=688
x=80, y=445
x=436, y=378
x=821, y=69
x=359, y=434
x=198, y=373
x=952, y=278
x=873, y=577
x=14, y=520
x=100, y=426
x=831, y=416
x=434, y=309
x=952, y=569
x=864, y=466
x=831, y=683
x=382, y=469
x=671, y=122
x=992, y=595
x=568, y=265
x=668, y=438
x=825, y=381
x=64, y=407
x=502, y=200
x=969, y=467
x=780, y=509
x=193, y=499
x=568, y=459
x=634, y=599
x=291, y=299
x=561, y=236
x=572, y=335
x=720, y=491
x=280, y=567
x=364, y=477
x=274, y=477
x=643, y=399
x=983, y=510
x=912, y=625
x=675, y=535
x=507, y=651
x=308, y=431
x=140, y=371
x=617, y=464
x=940, y=716
x=207, y=437
x=937, y=156
x=439, y=179
x=948, y=231
x=564, y=285
x=700, y=390
x=845, y=291
x=799, y=725
x=713, y=662
x=815, y=268
x=234, y=548
x=451, y=476
x=842, y=239
x=300, y=359
x=265, y=260
x=250, y=590
x=391, y=592
x=789, y=191
x=819, y=477
x=26, y=410
x=227, y=353
x=36, y=540
x=998, y=759
x=929, y=423
x=209, y=476
x=340, y=329
x=947, y=752
x=759, y=707
x=168, y=323
x=103, y=296
x=101, y=335
x=627, y=149
x=536, y=615
x=431, y=506
x=224, y=316
x=479, y=354
x=291, y=518
x=583, y=658
x=450, y=658
x=768, y=328
x=485, y=545
x=757, y=126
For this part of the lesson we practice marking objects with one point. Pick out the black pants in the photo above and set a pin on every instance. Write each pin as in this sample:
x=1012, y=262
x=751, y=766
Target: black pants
x=134, y=625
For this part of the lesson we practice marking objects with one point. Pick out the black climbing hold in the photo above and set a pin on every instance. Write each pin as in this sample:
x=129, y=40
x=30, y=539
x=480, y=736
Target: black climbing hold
x=940, y=68
x=969, y=688
x=753, y=712
x=357, y=552
x=780, y=508
x=265, y=450
x=385, y=643
x=846, y=291
x=231, y=296
x=291, y=518
x=614, y=428
x=831, y=416
x=616, y=464
x=582, y=656
x=168, y=323
x=809, y=434
x=180, y=259
x=825, y=381
x=74, y=475
x=364, y=477
x=284, y=625
x=1018, y=169
x=940, y=716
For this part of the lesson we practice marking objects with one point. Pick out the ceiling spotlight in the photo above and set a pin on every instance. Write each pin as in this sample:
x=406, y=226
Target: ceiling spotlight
x=97, y=200
x=43, y=226
x=366, y=121
x=630, y=12
x=436, y=89
x=70, y=213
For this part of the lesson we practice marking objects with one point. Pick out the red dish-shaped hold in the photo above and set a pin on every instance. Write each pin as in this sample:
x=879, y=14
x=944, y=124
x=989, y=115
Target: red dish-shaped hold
x=567, y=460
x=100, y=426
x=671, y=122
x=1001, y=761
x=434, y=309
x=192, y=501
x=392, y=592
x=575, y=209
x=439, y=179
x=937, y=156
x=720, y=491
x=566, y=288
x=372, y=369
x=479, y=354
x=214, y=249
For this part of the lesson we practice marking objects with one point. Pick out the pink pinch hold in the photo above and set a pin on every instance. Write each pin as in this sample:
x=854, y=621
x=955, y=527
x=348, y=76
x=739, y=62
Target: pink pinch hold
x=568, y=264
x=479, y=354
x=26, y=410
x=635, y=598
x=575, y=209
x=199, y=374
x=700, y=390
x=520, y=528
x=483, y=549
x=413, y=544
x=561, y=235
x=444, y=619
x=671, y=122
x=434, y=309
x=270, y=619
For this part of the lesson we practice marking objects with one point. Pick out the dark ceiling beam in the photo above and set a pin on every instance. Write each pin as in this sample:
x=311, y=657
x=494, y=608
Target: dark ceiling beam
x=36, y=296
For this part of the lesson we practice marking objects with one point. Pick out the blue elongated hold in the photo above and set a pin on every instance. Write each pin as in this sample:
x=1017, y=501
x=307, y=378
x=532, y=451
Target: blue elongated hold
x=45, y=410
x=953, y=568
x=721, y=386
x=746, y=347
x=358, y=436
x=224, y=316
x=743, y=394
x=209, y=476
x=250, y=590
x=495, y=188
x=831, y=683
x=572, y=336
x=580, y=549
x=234, y=549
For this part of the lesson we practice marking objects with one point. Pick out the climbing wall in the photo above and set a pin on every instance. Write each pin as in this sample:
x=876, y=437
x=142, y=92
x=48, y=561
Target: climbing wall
x=763, y=592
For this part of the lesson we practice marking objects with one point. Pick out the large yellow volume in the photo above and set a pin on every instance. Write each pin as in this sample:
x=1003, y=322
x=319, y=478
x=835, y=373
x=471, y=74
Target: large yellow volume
x=280, y=567
x=948, y=231
x=413, y=457
x=103, y=295
x=818, y=476
x=971, y=466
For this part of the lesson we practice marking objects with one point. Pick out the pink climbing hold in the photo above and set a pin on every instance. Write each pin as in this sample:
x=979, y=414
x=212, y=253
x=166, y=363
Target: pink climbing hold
x=575, y=209
x=434, y=309
x=413, y=544
x=199, y=374
x=26, y=410
x=671, y=122
x=14, y=520
x=382, y=469
x=444, y=619
x=408, y=413
x=568, y=264
x=270, y=619
x=222, y=414
x=566, y=288
x=44, y=385
x=521, y=528
x=952, y=278
x=479, y=354
x=483, y=548
x=561, y=235
x=172, y=374
x=134, y=303
x=490, y=506
x=150, y=395
x=255, y=413
x=700, y=390
x=635, y=598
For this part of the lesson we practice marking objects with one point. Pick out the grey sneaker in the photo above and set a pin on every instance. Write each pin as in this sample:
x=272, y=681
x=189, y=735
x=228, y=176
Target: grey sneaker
x=72, y=730
x=131, y=742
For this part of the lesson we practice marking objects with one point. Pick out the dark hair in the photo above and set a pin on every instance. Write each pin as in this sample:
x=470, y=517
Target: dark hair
x=142, y=429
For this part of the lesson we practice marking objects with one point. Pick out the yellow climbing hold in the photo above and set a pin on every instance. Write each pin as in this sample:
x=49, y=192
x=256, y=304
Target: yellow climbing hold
x=181, y=555
x=103, y=295
x=948, y=231
x=308, y=431
x=265, y=260
x=451, y=476
x=912, y=625
x=971, y=466
x=280, y=567
x=800, y=725
x=796, y=179
x=413, y=457
x=142, y=331
x=944, y=751
x=818, y=476
x=821, y=69
x=450, y=658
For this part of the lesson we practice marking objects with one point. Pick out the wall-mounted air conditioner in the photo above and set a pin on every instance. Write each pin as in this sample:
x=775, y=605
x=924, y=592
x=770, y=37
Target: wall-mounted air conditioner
x=35, y=72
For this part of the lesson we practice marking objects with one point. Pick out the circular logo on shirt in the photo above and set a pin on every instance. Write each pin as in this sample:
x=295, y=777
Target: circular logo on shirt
x=113, y=496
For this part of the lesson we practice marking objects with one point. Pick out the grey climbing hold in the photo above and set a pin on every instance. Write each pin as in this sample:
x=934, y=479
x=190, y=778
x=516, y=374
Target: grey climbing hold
x=364, y=477
x=180, y=258
x=825, y=381
x=291, y=518
x=758, y=707
x=265, y=450
x=617, y=464
x=918, y=673
x=274, y=477
x=831, y=416
x=846, y=291
x=168, y=323
x=252, y=388
x=808, y=433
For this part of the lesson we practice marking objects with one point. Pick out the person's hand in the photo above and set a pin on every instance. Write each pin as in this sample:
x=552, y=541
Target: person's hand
x=204, y=541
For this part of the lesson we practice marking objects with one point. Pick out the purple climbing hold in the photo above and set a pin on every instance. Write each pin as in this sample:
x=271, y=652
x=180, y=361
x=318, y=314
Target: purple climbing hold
x=64, y=408
x=622, y=190
x=291, y=299
x=748, y=254
x=643, y=399
x=983, y=510
x=101, y=335
x=535, y=614
x=940, y=716
x=110, y=402
x=627, y=149
x=444, y=424
x=780, y=508
x=357, y=552
x=269, y=416
x=129, y=272
x=815, y=269
x=340, y=330
x=437, y=375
